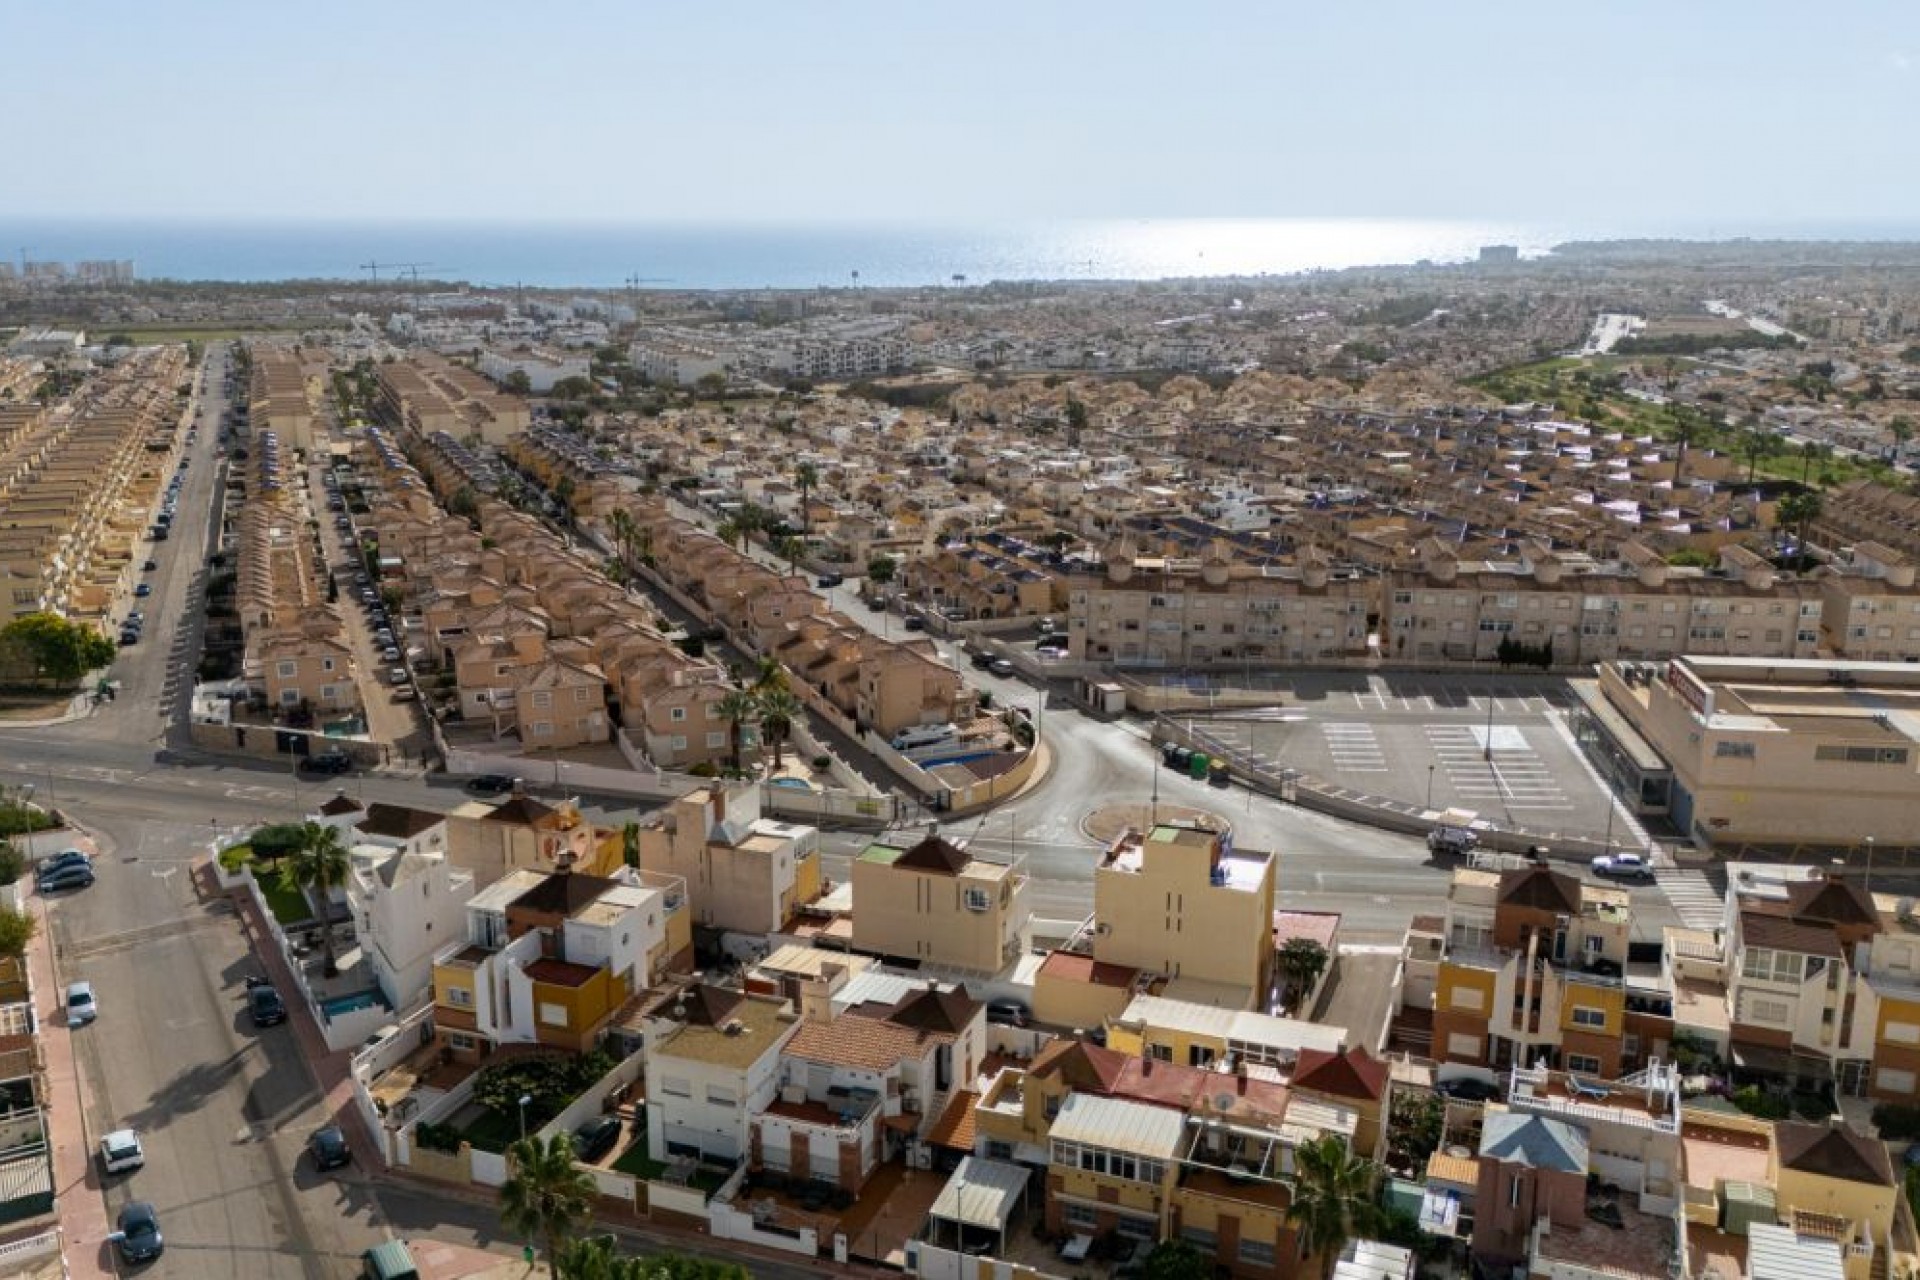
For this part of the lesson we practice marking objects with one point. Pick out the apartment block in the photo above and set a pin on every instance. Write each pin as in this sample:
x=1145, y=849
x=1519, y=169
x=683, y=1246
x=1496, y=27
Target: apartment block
x=935, y=903
x=1182, y=902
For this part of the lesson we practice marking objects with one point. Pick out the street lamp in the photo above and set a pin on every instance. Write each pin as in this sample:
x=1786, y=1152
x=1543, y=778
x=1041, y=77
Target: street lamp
x=1429, y=786
x=1489, y=750
x=525, y=1098
x=1869, y=866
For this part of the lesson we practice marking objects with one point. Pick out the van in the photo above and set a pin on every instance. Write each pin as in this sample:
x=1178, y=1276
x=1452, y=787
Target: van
x=389, y=1261
x=925, y=735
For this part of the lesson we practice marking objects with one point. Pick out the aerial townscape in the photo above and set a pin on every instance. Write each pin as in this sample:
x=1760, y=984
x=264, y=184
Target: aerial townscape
x=1178, y=748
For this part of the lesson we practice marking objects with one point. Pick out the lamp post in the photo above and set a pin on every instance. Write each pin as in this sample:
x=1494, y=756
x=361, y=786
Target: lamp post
x=1429, y=786
x=1489, y=750
x=525, y=1098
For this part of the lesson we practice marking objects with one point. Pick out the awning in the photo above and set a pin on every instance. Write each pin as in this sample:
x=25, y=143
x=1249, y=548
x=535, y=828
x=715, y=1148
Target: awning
x=1781, y=1062
x=981, y=1193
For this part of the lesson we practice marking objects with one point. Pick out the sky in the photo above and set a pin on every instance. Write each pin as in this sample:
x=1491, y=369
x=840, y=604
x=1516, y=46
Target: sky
x=1680, y=112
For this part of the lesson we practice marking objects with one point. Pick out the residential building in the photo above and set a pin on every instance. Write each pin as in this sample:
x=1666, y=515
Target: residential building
x=405, y=906
x=935, y=903
x=713, y=1064
x=743, y=873
x=1182, y=902
x=1199, y=1035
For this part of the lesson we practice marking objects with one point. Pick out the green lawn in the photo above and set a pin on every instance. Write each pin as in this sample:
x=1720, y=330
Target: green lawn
x=492, y=1131
x=635, y=1161
x=289, y=906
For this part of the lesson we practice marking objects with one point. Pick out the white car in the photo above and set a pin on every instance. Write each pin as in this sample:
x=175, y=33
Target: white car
x=121, y=1152
x=82, y=1008
x=1622, y=866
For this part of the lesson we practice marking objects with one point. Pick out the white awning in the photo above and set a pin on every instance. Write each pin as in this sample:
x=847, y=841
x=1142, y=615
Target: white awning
x=981, y=1193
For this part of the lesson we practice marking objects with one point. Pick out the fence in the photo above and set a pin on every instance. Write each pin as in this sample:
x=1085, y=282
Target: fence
x=594, y=1101
x=489, y=1167
x=15, y=1254
x=266, y=742
x=728, y=1223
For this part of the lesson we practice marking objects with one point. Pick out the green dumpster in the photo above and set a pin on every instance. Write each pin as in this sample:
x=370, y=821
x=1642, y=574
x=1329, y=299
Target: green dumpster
x=1197, y=767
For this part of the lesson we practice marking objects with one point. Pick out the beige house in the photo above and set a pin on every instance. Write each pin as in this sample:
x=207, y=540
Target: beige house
x=743, y=872
x=560, y=704
x=300, y=669
x=1182, y=902
x=938, y=904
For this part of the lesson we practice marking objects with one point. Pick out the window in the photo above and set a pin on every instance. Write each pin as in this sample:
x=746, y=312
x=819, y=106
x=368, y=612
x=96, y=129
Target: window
x=720, y=1097
x=1768, y=1010
x=460, y=997
x=997, y=1150
x=1469, y=999
x=1733, y=750
x=676, y=1087
x=1893, y=1080
x=1078, y=1215
x=543, y=698
x=456, y=1040
x=553, y=1015
x=978, y=899
x=1765, y=965
x=1200, y=1238
x=1588, y=1016
x=580, y=694
x=288, y=670
x=1256, y=1253
x=1583, y=1062
x=1160, y=1052
x=1902, y=1033
x=677, y=714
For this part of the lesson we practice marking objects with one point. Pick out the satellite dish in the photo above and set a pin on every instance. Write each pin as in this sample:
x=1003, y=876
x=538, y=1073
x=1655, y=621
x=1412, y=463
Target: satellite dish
x=1223, y=1102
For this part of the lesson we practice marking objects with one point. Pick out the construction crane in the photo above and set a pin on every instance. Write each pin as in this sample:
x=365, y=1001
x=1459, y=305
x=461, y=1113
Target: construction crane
x=410, y=268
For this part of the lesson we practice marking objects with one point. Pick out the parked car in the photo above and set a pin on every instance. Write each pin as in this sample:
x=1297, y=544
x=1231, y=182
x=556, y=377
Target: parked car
x=129, y=637
x=329, y=1148
x=149, y=566
x=120, y=1152
x=916, y=623
x=144, y=589
x=64, y=858
x=266, y=1006
x=138, y=1238
x=82, y=1005
x=1008, y=1013
x=595, y=1138
x=396, y=675
x=1622, y=866
x=1002, y=667
x=328, y=762
x=490, y=784
x=981, y=661
x=827, y=580
x=72, y=876
x=1175, y=756
x=1467, y=1089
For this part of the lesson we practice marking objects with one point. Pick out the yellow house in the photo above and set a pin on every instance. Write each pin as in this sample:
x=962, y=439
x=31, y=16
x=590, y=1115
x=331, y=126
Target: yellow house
x=572, y=1003
x=1110, y=1166
x=1834, y=1182
x=1183, y=902
x=936, y=903
x=1072, y=989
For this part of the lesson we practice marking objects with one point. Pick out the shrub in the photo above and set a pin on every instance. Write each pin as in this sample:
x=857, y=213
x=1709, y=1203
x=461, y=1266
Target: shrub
x=12, y=864
x=17, y=818
x=1897, y=1121
x=235, y=857
x=822, y=762
x=277, y=840
x=1755, y=1101
x=437, y=1137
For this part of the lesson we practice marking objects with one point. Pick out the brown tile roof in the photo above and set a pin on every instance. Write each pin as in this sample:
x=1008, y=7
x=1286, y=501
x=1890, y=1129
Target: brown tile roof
x=559, y=973
x=397, y=821
x=563, y=894
x=1073, y=966
x=866, y=1044
x=342, y=803
x=1758, y=929
x=1353, y=1074
x=1542, y=889
x=1087, y=1067
x=947, y=1012
x=954, y=1129
x=935, y=854
x=1833, y=1152
x=1166, y=1084
x=707, y=1005
x=522, y=809
x=1831, y=901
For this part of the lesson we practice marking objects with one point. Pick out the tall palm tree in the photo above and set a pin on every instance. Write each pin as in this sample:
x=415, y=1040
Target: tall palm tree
x=736, y=708
x=779, y=709
x=1332, y=1197
x=621, y=526
x=770, y=676
x=1800, y=510
x=315, y=867
x=547, y=1194
x=1301, y=961
x=806, y=475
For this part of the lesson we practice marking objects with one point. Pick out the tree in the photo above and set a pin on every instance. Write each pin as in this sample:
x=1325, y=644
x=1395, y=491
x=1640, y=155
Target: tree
x=790, y=550
x=738, y=707
x=315, y=867
x=547, y=1194
x=1901, y=429
x=806, y=475
x=58, y=651
x=1302, y=961
x=574, y=388
x=518, y=383
x=779, y=709
x=1177, y=1260
x=630, y=844
x=1800, y=510
x=881, y=568
x=710, y=385
x=770, y=675
x=1332, y=1197
x=1757, y=443
x=16, y=931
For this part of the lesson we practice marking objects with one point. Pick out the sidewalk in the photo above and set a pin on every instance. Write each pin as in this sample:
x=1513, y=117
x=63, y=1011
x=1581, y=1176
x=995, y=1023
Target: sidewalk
x=76, y=1180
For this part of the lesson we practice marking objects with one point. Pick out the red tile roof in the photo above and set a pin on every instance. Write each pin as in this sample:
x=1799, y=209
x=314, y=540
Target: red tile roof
x=1353, y=1074
x=1072, y=966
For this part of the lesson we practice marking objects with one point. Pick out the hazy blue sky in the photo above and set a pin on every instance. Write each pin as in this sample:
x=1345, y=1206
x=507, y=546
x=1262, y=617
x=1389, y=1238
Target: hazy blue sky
x=1672, y=112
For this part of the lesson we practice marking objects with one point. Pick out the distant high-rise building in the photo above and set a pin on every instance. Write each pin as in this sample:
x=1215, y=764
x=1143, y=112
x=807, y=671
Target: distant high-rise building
x=1499, y=254
x=104, y=271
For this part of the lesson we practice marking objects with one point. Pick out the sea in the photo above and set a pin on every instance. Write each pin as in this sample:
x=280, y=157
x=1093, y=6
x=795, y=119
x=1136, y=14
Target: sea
x=738, y=256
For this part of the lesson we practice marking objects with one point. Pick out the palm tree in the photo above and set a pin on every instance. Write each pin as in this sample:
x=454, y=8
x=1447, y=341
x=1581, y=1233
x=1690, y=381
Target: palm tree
x=1800, y=510
x=315, y=868
x=1757, y=443
x=770, y=676
x=547, y=1194
x=1684, y=427
x=621, y=525
x=1332, y=1197
x=806, y=475
x=778, y=711
x=1302, y=961
x=736, y=708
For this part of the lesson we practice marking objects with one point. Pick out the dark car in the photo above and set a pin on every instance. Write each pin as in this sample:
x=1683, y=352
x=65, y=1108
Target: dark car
x=65, y=858
x=981, y=661
x=595, y=1138
x=916, y=623
x=329, y=1148
x=328, y=762
x=138, y=1237
x=1176, y=756
x=1008, y=1013
x=1467, y=1089
x=71, y=876
x=828, y=580
x=490, y=784
x=266, y=1006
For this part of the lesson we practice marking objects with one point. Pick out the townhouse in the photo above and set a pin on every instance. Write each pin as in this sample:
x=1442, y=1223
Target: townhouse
x=937, y=904
x=713, y=1065
x=744, y=873
x=1529, y=965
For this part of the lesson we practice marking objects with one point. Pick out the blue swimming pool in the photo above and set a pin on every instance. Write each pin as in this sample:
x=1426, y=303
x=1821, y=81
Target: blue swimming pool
x=353, y=1002
x=792, y=784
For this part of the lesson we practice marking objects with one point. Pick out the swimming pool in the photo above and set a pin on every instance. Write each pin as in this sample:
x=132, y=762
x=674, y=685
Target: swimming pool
x=353, y=1002
x=791, y=784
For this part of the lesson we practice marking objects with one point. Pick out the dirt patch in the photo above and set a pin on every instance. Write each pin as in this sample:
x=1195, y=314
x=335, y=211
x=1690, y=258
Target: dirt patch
x=34, y=706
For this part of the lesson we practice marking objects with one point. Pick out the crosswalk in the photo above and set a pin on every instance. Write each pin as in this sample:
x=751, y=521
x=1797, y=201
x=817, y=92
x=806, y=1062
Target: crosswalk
x=1512, y=775
x=1354, y=748
x=1693, y=896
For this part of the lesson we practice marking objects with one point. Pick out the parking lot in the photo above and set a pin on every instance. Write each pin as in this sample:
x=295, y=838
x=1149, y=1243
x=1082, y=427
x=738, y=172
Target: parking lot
x=1499, y=748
